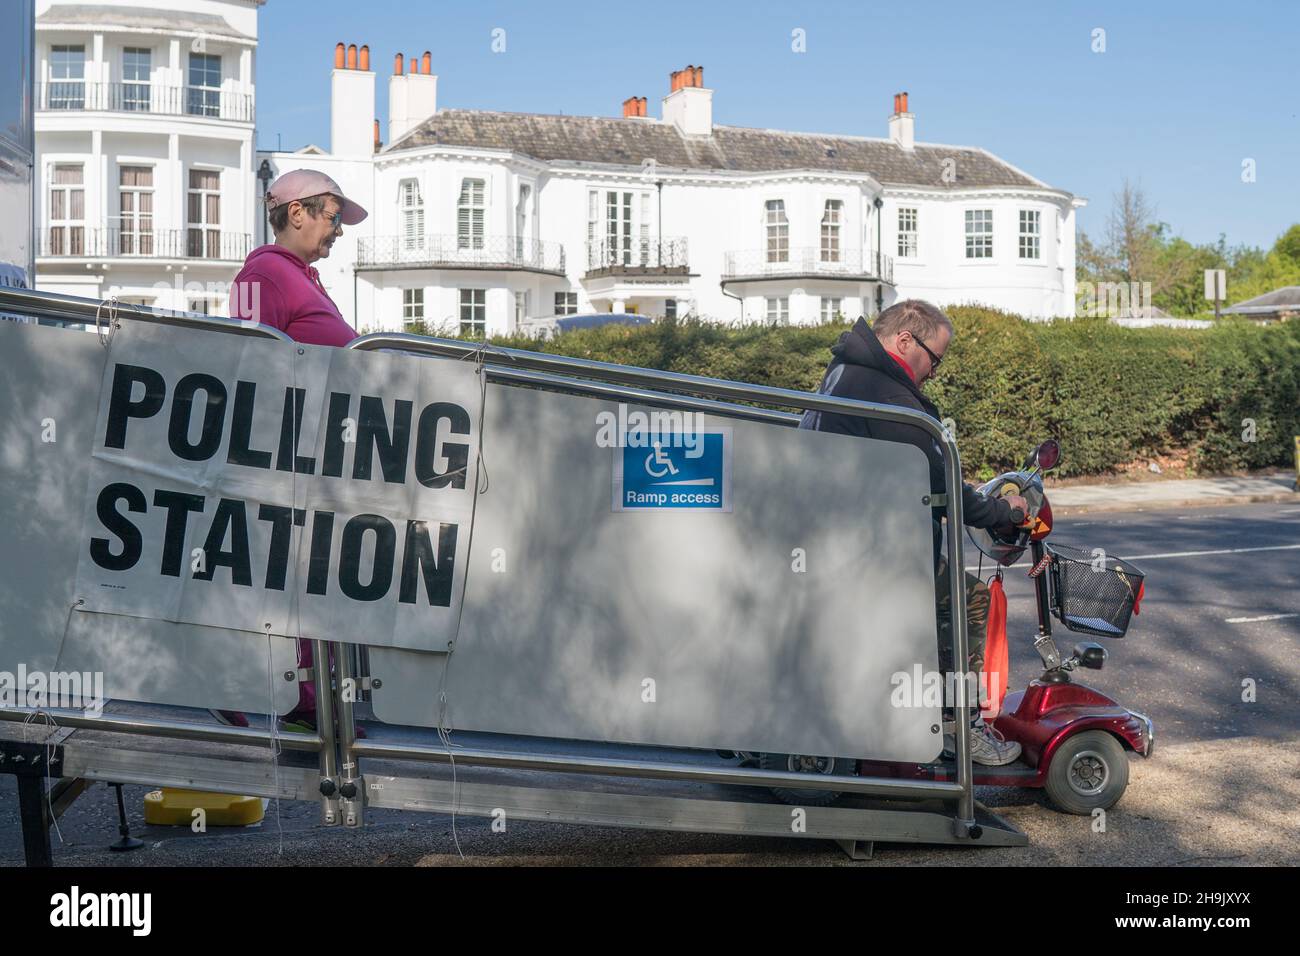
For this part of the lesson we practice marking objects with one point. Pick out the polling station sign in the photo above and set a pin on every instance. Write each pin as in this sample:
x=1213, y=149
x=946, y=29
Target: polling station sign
x=674, y=469
x=262, y=486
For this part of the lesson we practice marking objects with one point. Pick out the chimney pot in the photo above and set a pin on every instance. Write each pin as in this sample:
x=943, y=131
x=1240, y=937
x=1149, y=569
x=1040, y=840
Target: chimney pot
x=426, y=63
x=399, y=65
x=904, y=109
x=352, y=56
x=415, y=64
x=377, y=142
x=338, y=57
x=364, y=58
x=699, y=76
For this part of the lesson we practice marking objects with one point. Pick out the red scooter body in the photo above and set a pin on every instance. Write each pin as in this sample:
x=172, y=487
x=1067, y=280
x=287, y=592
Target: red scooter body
x=1051, y=710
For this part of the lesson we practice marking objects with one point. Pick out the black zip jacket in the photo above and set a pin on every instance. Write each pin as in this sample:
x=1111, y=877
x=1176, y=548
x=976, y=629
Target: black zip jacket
x=861, y=369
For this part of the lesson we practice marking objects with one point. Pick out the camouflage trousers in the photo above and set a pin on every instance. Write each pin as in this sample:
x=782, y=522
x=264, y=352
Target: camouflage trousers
x=977, y=616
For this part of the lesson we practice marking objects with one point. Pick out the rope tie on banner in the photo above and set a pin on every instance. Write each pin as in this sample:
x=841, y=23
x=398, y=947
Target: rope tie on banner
x=110, y=304
x=479, y=357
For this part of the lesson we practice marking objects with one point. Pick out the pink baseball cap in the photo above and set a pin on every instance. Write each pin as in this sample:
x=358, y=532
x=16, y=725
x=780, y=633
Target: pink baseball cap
x=303, y=183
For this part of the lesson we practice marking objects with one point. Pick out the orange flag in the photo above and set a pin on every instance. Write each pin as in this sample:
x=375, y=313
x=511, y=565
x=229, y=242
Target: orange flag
x=996, y=665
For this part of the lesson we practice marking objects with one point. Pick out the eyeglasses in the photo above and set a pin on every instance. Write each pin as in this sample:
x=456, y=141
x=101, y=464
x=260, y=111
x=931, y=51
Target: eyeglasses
x=337, y=220
x=934, y=359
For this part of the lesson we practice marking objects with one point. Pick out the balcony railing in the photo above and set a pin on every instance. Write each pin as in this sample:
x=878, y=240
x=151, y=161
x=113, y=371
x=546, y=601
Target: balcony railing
x=145, y=98
x=649, y=257
x=80, y=242
x=460, y=252
x=807, y=261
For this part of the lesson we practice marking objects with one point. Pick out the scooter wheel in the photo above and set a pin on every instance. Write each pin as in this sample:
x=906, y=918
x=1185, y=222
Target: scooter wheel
x=1089, y=770
x=795, y=763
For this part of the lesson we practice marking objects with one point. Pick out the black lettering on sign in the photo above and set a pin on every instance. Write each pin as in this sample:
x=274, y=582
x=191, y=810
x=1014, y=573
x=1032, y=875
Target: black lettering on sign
x=178, y=505
x=117, y=523
x=318, y=569
x=214, y=416
x=277, y=563
x=332, y=459
x=419, y=558
x=232, y=518
x=372, y=435
x=241, y=429
x=381, y=577
x=120, y=406
x=288, y=458
x=426, y=447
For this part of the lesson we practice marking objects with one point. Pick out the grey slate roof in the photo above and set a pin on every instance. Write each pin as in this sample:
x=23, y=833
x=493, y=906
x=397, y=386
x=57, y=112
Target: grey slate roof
x=85, y=15
x=1285, y=299
x=627, y=142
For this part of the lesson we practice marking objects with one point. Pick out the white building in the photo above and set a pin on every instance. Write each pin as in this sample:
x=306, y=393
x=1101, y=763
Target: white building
x=481, y=218
x=144, y=149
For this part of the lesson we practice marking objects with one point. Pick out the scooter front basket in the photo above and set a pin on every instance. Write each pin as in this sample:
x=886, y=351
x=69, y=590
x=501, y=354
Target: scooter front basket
x=1093, y=592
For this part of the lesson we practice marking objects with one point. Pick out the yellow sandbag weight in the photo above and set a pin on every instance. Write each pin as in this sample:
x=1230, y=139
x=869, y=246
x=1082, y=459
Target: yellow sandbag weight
x=169, y=807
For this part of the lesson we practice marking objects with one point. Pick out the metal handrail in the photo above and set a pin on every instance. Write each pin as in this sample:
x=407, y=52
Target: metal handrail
x=79, y=241
x=144, y=98
x=568, y=373
x=455, y=251
x=839, y=262
x=653, y=256
x=67, y=308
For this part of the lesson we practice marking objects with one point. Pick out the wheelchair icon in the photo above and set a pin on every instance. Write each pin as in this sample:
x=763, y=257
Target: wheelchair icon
x=659, y=458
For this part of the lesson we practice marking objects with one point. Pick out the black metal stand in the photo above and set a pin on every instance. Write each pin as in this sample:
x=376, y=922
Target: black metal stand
x=35, y=820
x=128, y=842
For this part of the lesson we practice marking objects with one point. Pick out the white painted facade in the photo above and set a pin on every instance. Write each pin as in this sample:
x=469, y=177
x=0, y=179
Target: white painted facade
x=145, y=149
x=407, y=260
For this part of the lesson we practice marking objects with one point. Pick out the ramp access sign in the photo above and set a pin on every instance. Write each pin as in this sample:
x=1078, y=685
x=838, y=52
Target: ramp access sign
x=670, y=470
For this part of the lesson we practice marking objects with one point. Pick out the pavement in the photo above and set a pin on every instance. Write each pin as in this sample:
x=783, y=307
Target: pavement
x=1212, y=658
x=1171, y=493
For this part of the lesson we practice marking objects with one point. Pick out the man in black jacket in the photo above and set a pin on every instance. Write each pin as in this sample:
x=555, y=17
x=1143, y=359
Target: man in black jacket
x=887, y=363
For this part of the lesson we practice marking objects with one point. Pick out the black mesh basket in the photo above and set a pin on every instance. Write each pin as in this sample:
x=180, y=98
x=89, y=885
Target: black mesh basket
x=1093, y=594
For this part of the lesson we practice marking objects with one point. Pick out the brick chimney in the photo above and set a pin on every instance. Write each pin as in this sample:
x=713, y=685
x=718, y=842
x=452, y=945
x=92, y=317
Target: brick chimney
x=901, y=123
x=688, y=105
x=352, y=101
x=412, y=97
x=634, y=107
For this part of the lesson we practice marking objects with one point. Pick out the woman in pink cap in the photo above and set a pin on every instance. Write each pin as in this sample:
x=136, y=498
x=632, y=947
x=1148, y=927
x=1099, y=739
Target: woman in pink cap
x=279, y=287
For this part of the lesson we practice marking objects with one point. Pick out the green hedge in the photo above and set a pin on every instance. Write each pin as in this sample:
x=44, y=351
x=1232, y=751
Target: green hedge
x=1110, y=395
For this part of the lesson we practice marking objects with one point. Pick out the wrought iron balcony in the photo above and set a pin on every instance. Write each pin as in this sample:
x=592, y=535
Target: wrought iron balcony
x=811, y=261
x=80, y=242
x=637, y=257
x=145, y=98
x=460, y=252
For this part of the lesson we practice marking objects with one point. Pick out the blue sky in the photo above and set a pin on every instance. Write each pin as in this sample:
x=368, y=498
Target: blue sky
x=1183, y=93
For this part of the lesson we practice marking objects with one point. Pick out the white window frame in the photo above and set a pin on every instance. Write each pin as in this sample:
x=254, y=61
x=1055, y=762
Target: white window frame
x=471, y=213
x=831, y=306
x=777, y=310
x=412, y=307
x=67, y=92
x=909, y=219
x=136, y=92
x=979, y=233
x=209, y=245
x=203, y=99
x=776, y=231
x=566, y=303
x=831, y=248
x=410, y=205
x=135, y=231
x=71, y=231
x=1029, y=246
x=473, y=311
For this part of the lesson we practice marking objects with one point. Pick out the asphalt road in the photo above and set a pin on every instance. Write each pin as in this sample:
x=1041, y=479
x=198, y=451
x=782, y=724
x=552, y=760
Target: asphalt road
x=1223, y=787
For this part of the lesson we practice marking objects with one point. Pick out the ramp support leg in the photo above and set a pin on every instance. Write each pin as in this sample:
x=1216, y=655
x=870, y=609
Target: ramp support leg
x=35, y=820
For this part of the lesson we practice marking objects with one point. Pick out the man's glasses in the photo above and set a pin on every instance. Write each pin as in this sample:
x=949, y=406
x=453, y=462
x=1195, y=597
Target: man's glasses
x=337, y=220
x=934, y=359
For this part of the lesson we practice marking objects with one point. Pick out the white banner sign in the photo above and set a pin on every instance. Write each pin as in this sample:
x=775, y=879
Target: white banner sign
x=257, y=485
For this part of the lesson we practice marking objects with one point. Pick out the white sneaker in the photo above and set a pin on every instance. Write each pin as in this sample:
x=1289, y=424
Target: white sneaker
x=989, y=747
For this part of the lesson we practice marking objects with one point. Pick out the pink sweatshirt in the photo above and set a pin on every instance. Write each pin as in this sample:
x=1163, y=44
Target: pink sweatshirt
x=278, y=289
